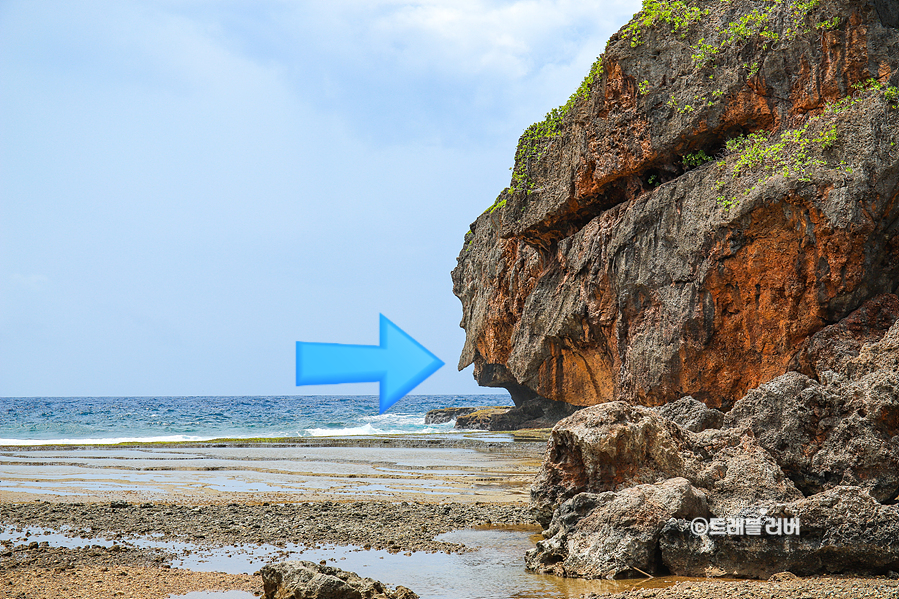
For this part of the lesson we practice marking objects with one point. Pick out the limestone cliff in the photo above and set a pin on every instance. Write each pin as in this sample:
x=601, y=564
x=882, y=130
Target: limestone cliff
x=724, y=185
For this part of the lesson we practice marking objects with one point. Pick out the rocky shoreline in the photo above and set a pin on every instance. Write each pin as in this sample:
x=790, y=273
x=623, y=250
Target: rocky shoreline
x=701, y=249
x=404, y=527
x=622, y=486
x=394, y=527
x=122, y=570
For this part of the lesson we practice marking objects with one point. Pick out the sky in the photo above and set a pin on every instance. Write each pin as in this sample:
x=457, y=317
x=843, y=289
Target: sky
x=190, y=187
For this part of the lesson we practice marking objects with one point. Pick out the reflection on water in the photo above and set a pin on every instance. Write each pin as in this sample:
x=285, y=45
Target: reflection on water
x=494, y=571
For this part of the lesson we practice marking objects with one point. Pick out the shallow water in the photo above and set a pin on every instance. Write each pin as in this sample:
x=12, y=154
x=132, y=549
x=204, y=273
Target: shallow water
x=494, y=571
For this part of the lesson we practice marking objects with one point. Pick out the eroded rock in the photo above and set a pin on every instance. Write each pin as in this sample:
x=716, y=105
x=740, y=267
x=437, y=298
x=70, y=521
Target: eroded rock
x=614, y=535
x=307, y=580
x=692, y=414
x=536, y=412
x=834, y=346
x=845, y=432
x=716, y=207
x=615, y=446
x=442, y=415
x=613, y=269
x=881, y=355
x=841, y=530
x=838, y=441
x=604, y=448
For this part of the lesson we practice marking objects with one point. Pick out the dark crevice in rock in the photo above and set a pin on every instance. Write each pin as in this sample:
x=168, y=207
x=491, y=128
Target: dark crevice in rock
x=562, y=225
x=545, y=235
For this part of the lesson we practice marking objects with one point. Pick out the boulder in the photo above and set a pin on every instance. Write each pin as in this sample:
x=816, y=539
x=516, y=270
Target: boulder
x=614, y=446
x=614, y=535
x=735, y=471
x=842, y=529
x=307, y=580
x=844, y=432
x=692, y=414
x=604, y=448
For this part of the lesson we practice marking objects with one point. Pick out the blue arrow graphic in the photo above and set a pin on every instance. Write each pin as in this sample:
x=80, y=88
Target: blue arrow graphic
x=400, y=363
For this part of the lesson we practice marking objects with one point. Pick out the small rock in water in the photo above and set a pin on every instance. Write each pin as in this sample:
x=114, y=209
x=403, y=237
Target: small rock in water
x=308, y=580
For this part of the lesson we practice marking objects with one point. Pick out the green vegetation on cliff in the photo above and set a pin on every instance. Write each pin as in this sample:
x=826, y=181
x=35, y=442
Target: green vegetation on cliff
x=753, y=159
x=535, y=139
x=759, y=26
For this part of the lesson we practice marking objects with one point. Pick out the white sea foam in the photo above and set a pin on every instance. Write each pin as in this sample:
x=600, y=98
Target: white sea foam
x=110, y=441
x=384, y=424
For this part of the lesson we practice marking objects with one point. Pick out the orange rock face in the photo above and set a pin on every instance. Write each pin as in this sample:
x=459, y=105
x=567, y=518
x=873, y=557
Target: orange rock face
x=624, y=270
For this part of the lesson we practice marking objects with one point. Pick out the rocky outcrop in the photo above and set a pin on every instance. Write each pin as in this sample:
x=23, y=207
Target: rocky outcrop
x=308, y=580
x=691, y=414
x=612, y=535
x=842, y=530
x=824, y=453
x=845, y=432
x=702, y=246
x=536, y=412
x=621, y=265
x=615, y=446
x=446, y=414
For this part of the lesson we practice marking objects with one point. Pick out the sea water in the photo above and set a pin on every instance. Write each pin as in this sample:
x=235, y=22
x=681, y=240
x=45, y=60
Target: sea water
x=80, y=420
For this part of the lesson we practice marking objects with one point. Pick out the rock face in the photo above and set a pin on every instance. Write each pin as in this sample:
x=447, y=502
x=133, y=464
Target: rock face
x=610, y=535
x=843, y=530
x=620, y=264
x=825, y=453
x=308, y=580
x=446, y=414
x=692, y=415
x=536, y=412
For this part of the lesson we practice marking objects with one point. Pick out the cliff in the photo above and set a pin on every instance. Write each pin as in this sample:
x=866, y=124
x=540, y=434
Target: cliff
x=723, y=186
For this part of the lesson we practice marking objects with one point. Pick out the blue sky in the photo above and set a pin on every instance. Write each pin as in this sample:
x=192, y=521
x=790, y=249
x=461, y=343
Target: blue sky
x=189, y=187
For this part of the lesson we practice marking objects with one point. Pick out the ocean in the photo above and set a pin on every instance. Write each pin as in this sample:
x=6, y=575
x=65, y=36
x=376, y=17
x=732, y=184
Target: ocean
x=79, y=420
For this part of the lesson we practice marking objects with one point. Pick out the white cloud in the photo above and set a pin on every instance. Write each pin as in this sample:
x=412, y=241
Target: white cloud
x=440, y=70
x=473, y=37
